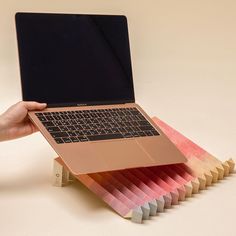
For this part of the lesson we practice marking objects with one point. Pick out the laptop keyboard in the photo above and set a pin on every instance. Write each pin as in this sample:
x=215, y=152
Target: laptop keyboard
x=94, y=125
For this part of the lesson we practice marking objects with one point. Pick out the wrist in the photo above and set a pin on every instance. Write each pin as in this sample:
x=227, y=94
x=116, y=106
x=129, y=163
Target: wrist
x=3, y=128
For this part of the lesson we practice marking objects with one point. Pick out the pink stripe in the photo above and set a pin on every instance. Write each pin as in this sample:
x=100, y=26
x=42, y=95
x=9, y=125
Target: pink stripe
x=174, y=175
x=178, y=168
x=140, y=184
x=186, y=146
x=123, y=189
x=131, y=186
x=113, y=190
x=101, y=192
x=151, y=184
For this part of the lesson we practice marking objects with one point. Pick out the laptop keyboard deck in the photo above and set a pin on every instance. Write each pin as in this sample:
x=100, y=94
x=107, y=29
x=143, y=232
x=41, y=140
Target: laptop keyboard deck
x=94, y=125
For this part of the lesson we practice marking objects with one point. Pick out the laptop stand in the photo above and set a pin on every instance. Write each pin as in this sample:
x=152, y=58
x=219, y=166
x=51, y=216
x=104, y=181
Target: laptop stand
x=139, y=193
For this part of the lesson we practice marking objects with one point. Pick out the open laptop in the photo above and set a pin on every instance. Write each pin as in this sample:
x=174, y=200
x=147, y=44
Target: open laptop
x=80, y=65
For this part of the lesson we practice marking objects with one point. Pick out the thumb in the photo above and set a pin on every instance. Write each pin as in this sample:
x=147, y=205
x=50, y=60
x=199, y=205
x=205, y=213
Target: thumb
x=30, y=106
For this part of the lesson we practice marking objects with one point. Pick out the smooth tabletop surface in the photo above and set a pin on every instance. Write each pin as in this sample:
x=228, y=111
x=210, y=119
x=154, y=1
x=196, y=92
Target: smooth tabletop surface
x=184, y=56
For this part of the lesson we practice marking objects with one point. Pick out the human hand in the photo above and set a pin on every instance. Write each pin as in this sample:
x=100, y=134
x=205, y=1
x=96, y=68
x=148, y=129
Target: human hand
x=15, y=123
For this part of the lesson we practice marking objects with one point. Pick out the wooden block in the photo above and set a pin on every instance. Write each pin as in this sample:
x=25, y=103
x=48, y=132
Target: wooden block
x=153, y=207
x=231, y=165
x=57, y=174
x=226, y=168
x=61, y=176
x=168, y=200
x=182, y=193
x=146, y=211
x=203, y=181
x=209, y=178
x=189, y=189
x=220, y=170
x=175, y=197
x=136, y=215
x=160, y=204
x=196, y=185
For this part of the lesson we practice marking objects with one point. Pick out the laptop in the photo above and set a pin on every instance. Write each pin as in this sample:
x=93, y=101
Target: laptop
x=80, y=65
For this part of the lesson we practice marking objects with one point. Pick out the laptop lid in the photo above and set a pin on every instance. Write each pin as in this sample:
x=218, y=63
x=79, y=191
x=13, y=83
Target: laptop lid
x=74, y=59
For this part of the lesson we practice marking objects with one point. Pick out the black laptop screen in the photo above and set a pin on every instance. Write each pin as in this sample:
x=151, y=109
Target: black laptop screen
x=68, y=59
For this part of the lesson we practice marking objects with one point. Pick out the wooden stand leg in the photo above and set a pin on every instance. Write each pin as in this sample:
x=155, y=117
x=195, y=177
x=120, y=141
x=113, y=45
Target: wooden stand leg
x=61, y=176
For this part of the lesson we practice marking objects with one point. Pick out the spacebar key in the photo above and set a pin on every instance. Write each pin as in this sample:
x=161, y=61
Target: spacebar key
x=104, y=136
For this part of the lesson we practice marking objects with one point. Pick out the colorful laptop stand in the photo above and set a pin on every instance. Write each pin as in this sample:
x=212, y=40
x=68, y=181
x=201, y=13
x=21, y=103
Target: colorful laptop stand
x=139, y=193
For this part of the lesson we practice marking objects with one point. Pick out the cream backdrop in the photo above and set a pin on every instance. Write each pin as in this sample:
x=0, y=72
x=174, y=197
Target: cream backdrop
x=184, y=67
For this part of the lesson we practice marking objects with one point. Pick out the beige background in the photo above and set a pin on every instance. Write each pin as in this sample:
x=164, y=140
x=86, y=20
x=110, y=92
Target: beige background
x=184, y=64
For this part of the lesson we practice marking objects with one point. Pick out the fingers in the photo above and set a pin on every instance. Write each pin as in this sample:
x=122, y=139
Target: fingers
x=30, y=106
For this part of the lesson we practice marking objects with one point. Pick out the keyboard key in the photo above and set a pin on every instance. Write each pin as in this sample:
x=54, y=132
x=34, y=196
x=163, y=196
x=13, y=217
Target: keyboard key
x=135, y=112
x=47, y=123
x=71, y=127
x=86, y=132
x=67, y=140
x=135, y=134
x=71, y=133
x=149, y=133
x=80, y=122
x=42, y=118
x=59, y=134
x=147, y=127
x=127, y=135
x=53, y=129
x=63, y=128
x=49, y=118
x=142, y=134
x=154, y=132
x=83, y=139
x=143, y=123
x=79, y=132
x=59, y=140
x=57, y=123
x=74, y=139
x=57, y=117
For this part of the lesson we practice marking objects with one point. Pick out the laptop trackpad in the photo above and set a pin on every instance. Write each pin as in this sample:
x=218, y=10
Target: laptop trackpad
x=120, y=154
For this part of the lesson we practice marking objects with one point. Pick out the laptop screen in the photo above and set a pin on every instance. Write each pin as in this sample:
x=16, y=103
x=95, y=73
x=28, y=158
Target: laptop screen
x=70, y=59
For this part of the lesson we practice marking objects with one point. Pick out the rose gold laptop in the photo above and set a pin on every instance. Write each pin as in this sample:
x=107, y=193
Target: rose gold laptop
x=80, y=66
